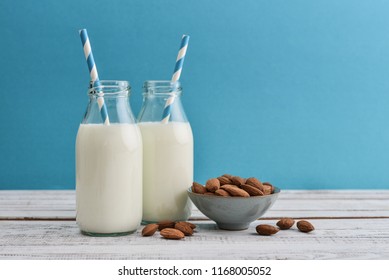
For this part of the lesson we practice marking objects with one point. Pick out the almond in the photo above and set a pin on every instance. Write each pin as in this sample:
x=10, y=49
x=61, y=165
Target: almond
x=253, y=191
x=193, y=226
x=236, y=180
x=271, y=189
x=165, y=224
x=224, y=180
x=255, y=183
x=149, y=230
x=305, y=226
x=184, y=228
x=285, y=223
x=212, y=185
x=198, y=188
x=267, y=189
x=229, y=185
x=172, y=233
x=221, y=192
x=266, y=229
x=229, y=176
x=235, y=191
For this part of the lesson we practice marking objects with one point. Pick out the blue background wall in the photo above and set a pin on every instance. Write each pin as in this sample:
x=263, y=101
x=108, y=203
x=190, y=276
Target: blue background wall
x=294, y=92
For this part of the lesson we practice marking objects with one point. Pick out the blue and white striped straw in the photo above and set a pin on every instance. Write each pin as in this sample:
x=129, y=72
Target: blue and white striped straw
x=93, y=73
x=176, y=76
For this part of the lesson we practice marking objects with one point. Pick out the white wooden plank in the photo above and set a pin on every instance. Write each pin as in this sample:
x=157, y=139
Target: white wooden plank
x=291, y=194
x=332, y=239
x=61, y=204
x=196, y=215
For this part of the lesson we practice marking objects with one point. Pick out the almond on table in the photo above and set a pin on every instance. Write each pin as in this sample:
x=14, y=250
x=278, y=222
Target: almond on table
x=266, y=230
x=193, y=226
x=165, y=224
x=149, y=230
x=305, y=226
x=285, y=223
x=185, y=228
x=171, y=233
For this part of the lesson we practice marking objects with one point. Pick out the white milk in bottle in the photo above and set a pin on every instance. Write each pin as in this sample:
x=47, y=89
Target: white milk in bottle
x=109, y=165
x=167, y=154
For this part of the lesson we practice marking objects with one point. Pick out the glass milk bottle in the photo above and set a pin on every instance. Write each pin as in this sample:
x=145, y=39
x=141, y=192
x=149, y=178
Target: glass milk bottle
x=109, y=164
x=167, y=154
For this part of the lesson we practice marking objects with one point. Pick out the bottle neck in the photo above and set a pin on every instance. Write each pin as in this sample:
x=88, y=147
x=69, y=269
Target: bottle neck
x=158, y=96
x=109, y=99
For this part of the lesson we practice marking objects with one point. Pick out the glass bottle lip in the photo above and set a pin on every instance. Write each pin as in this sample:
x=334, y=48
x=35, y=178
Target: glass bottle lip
x=109, y=88
x=162, y=88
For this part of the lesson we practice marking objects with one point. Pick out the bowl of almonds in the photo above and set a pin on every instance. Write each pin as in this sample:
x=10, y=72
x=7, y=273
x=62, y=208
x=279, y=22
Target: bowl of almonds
x=233, y=202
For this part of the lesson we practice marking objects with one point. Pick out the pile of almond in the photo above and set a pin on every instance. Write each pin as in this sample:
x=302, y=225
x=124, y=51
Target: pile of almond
x=228, y=185
x=170, y=229
x=283, y=224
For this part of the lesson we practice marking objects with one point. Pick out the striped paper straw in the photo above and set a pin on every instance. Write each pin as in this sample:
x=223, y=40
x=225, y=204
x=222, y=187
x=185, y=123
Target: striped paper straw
x=93, y=73
x=176, y=76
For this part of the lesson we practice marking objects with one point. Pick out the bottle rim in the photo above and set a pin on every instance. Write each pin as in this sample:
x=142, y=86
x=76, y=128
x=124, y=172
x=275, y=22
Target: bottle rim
x=162, y=88
x=109, y=88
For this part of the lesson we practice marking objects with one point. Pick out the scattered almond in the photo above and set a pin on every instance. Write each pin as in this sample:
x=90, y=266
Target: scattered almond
x=193, y=226
x=212, y=185
x=149, y=230
x=305, y=226
x=285, y=223
x=165, y=224
x=184, y=228
x=172, y=233
x=266, y=230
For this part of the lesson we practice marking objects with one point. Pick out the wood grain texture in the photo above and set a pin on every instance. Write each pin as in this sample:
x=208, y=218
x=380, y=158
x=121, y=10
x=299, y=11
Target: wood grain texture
x=349, y=225
x=310, y=204
x=332, y=239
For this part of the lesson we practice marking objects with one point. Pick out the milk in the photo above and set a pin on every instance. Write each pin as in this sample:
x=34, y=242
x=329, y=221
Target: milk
x=109, y=178
x=167, y=170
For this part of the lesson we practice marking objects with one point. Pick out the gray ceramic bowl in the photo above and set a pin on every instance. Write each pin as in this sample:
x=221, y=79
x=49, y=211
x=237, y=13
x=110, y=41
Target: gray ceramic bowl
x=233, y=213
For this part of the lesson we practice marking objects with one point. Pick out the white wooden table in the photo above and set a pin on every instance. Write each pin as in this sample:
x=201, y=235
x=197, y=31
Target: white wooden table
x=349, y=225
